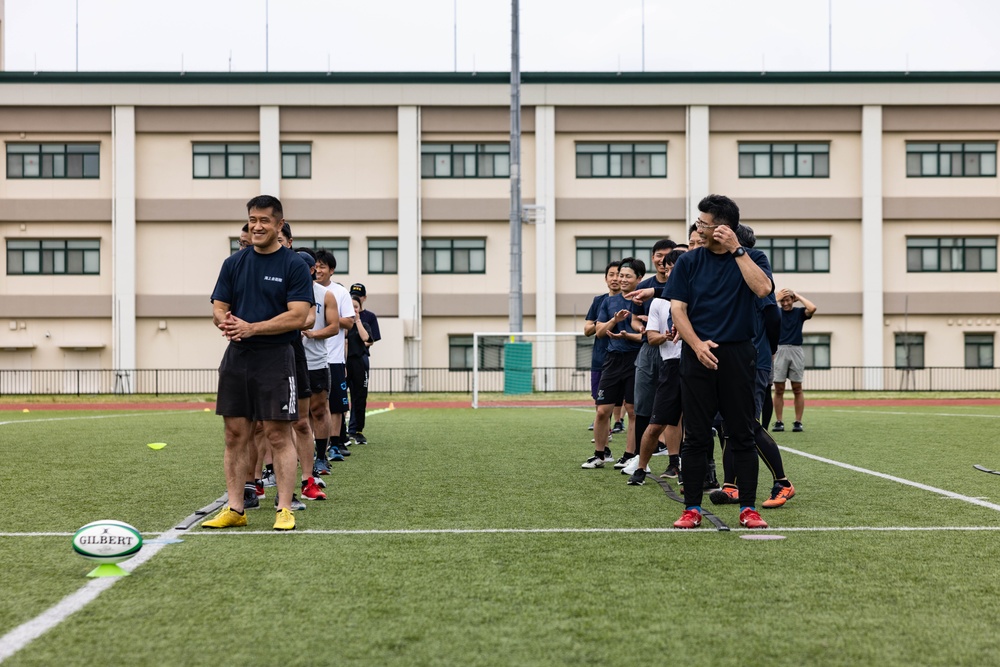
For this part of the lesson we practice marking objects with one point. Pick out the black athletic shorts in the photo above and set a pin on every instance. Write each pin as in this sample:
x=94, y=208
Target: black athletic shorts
x=301, y=369
x=338, y=389
x=617, y=379
x=319, y=380
x=257, y=383
x=667, y=402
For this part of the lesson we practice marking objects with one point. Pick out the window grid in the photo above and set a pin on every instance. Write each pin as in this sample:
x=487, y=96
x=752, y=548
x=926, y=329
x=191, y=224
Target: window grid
x=951, y=159
x=296, y=160
x=816, y=349
x=225, y=160
x=466, y=160
x=453, y=256
x=53, y=161
x=339, y=247
x=910, y=350
x=593, y=255
x=490, y=353
x=785, y=160
x=77, y=257
x=978, y=350
x=944, y=255
x=796, y=255
x=383, y=256
x=621, y=160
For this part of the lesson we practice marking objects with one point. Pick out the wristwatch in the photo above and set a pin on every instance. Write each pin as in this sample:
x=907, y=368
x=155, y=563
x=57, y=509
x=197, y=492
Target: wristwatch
x=739, y=252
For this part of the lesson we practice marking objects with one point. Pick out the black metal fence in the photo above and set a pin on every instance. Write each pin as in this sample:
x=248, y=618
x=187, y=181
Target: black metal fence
x=416, y=380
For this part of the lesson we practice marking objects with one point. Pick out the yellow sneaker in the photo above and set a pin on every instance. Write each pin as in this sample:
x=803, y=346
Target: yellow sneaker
x=284, y=520
x=226, y=518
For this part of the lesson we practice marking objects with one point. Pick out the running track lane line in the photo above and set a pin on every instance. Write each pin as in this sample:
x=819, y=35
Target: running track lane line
x=900, y=480
x=29, y=631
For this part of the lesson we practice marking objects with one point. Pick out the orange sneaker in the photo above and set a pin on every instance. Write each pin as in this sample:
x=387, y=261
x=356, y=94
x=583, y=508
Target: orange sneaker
x=689, y=519
x=750, y=519
x=727, y=495
x=779, y=496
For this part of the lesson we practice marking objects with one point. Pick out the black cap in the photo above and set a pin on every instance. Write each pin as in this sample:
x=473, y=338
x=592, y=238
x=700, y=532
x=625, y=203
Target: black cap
x=308, y=259
x=357, y=289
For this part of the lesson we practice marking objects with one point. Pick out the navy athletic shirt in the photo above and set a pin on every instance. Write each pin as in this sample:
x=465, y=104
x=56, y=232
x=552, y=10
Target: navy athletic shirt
x=791, y=326
x=721, y=306
x=600, y=352
x=607, y=311
x=258, y=287
x=643, y=308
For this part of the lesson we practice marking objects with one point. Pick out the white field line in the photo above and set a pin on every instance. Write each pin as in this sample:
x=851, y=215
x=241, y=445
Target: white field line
x=916, y=414
x=125, y=414
x=29, y=631
x=892, y=478
x=541, y=531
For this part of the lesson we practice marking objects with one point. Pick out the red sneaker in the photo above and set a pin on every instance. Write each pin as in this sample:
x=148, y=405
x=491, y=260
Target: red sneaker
x=690, y=519
x=750, y=519
x=259, y=488
x=312, y=492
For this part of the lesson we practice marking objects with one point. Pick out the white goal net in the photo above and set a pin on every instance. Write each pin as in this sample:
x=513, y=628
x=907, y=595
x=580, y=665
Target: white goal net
x=529, y=364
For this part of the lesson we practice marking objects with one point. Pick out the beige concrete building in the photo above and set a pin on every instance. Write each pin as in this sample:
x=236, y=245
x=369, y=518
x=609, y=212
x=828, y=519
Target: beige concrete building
x=876, y=195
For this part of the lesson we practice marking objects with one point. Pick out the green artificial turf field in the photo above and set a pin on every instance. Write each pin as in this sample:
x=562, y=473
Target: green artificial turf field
x=462, y=537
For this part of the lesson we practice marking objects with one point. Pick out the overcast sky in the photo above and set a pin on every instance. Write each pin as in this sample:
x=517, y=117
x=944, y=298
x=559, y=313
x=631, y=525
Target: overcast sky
x=556, y=35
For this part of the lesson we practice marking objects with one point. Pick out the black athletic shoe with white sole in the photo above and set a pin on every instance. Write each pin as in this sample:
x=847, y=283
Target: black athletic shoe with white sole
x=638, y=478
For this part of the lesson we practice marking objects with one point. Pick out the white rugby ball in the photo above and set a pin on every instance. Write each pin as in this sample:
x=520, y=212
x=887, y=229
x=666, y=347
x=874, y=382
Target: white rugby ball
x=107, y=541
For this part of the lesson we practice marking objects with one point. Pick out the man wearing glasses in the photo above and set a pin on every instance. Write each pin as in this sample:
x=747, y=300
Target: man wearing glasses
x=713, y=292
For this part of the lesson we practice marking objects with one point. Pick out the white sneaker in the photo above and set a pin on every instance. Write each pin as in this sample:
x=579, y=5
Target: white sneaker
x=593, y=462
x=633, y=465
x=661, y=450
x=624, y=461
x=608, y=456
x=592, y=440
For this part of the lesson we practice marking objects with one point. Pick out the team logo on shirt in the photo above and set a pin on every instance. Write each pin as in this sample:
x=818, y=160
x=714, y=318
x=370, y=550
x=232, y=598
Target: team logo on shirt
x=274, y=279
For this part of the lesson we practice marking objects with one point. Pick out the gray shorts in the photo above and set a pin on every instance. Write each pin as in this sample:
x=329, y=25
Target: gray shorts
x=647, y=375
x=789, y=364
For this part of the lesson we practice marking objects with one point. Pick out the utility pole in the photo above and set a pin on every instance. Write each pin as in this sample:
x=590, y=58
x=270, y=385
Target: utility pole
x=516, y=297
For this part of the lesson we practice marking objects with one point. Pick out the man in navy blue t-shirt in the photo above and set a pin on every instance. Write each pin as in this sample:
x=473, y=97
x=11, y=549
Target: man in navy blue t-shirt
x=262, y=299
x=713, y=292
x=600, y=349
x=789, y=363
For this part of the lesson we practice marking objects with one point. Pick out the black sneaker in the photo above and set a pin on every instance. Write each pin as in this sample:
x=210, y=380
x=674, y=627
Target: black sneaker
x=796, y=427
x=638, y=478
x=672, y=472
x=619, y=427
x=360, y=438
x=591, y=427
x=778, y=427
x=623, y=461
x=250, y=500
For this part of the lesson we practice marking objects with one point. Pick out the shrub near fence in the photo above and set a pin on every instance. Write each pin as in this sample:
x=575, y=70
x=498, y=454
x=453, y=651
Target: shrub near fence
x=410, y=380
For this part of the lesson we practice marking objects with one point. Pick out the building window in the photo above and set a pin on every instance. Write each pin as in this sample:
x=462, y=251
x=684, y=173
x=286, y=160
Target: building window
x=226, y=160
x=53, y=160
x=952, y=160
x=339, y=248
x=969, y=255
x=490, y=353
x=383, y=256
x=784, y=160
x=296, y=160
x=52, y=257
x=621, y=160
x=584, y=352
x=797, y=255
x=593, y=255
x=454, y=256
x=465, y=160
x=816, y=348
x=909, y=350
x=978, y=350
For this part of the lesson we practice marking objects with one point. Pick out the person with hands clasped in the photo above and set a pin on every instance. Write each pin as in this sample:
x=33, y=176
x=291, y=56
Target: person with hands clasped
x=713, y=292
x=618, y=375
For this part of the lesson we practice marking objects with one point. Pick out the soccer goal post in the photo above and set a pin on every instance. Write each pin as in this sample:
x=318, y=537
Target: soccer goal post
x=506, y=365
